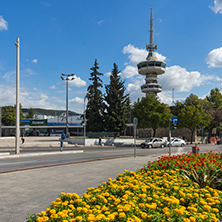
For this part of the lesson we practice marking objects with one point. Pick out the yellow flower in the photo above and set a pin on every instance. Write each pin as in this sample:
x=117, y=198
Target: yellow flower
x=207, y=208
x=122, y=214
x=215, y=210
x=141, y=205
x=78, y=218
x=192, y=219
x=186, y=220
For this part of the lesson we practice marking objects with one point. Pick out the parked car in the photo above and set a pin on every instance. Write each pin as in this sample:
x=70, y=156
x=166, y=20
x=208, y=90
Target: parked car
x=153, y=142
x=176, y=142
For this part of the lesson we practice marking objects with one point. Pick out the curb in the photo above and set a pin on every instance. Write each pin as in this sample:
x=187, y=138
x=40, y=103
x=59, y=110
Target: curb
x=6, y=155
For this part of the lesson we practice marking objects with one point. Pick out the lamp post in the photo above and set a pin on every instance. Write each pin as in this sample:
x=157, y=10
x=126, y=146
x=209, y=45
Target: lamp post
x=67, y=77
x=17, y=131
x=85, y=118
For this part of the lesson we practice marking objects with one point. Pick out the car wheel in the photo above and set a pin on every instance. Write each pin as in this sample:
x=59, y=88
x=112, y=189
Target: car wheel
x=142, y=146
x=150, y=146
x=182, y=144
x=161, y=146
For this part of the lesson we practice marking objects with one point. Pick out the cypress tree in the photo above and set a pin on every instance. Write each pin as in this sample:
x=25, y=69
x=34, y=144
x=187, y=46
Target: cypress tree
x=117, y=103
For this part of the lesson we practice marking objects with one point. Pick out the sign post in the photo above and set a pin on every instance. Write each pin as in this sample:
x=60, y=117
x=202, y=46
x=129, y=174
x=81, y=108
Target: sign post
x=135, y=122
x=172, y=125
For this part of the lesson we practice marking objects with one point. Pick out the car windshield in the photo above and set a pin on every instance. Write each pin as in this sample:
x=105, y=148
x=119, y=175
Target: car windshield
x=149, y=140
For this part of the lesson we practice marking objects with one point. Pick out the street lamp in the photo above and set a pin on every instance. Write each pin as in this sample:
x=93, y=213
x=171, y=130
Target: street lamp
x=85, y=118
x=17, y=131
x=67, y=77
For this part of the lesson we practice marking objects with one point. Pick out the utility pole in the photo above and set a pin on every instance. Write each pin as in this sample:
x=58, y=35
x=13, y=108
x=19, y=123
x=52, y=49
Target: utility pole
x=17, y=131
x=67, y=77
x=169, y=136
x=0, y=121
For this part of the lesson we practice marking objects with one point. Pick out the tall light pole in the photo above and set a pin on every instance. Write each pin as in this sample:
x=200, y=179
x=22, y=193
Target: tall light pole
x=67, y=77
x=0, y=121
x=85, y=118
x=17, y=131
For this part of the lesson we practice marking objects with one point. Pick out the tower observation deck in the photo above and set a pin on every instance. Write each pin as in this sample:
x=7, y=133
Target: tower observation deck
x=151, y=68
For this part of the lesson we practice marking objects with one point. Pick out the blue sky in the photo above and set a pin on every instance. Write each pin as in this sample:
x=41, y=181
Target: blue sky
x=66, y=36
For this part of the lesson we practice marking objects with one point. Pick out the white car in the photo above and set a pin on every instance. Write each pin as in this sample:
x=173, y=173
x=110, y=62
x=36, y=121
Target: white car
x=176, y=142
x=153, y=142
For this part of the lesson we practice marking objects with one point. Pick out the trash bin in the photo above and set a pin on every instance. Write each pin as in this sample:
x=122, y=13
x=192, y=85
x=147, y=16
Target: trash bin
x=195, y=149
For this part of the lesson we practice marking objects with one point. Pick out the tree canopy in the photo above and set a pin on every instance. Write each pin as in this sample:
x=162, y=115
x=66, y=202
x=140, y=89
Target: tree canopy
x=95, y=104
x=151, y=113
x=9, y=115
x=191, y=114
x=117, y=103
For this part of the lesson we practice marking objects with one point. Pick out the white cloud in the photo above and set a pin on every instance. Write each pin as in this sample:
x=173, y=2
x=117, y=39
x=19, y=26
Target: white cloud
x=78, y=82
x=136, y=55
x=182, y=80
x=52, y=87
x=214, y=58
x=129, y=71
x=29, y=72
x=166, y=97
x=77, y=100
x=134, y=89
x=217, y=6
x=139, y=55
x=100, y=22
x=9, y=76
x=35, y=61
x=108, y=74
x=28, y=98
x=3, y=24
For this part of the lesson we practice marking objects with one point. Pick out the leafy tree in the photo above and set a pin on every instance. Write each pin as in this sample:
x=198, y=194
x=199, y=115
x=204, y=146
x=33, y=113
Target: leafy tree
x=215, y=98
x=213, y=107
x=9, y=115
x=117, y=103
x=190, y=114
x=152, y=113
x=31, y=113
x=95, y=105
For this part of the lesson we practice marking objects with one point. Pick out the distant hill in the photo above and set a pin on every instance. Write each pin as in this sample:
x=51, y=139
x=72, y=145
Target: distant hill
x=49, y=112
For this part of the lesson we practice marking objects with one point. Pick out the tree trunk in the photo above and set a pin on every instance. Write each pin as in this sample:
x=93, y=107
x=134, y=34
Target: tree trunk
x=191, y=139
x=154, y=132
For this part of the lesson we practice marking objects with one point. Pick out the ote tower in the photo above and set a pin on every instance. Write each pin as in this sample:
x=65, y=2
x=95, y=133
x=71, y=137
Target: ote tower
x=151, y=68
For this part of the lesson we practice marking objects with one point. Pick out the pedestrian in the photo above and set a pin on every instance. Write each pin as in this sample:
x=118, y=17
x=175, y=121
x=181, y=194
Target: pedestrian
x=23, y=139
x=63, y=136
x=100, y=141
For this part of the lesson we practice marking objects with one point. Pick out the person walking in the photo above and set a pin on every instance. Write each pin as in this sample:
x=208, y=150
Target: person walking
x=63, y=136
x=23, y=139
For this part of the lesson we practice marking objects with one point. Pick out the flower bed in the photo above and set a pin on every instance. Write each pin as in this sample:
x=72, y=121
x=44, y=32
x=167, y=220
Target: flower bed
x=149, y=194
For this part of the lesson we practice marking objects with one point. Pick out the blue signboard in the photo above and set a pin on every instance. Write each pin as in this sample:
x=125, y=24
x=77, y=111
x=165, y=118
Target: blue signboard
x=174, y=119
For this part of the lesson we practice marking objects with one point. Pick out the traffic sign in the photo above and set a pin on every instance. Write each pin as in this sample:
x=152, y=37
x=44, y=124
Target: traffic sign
x=174, y=120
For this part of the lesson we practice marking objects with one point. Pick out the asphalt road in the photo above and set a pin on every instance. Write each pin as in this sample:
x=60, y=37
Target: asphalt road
x=88, y=154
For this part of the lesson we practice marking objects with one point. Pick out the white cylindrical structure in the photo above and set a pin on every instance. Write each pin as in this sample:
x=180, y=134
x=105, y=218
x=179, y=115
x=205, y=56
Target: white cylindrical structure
x=17, y=133
x=67, y=109
x=85, y=121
